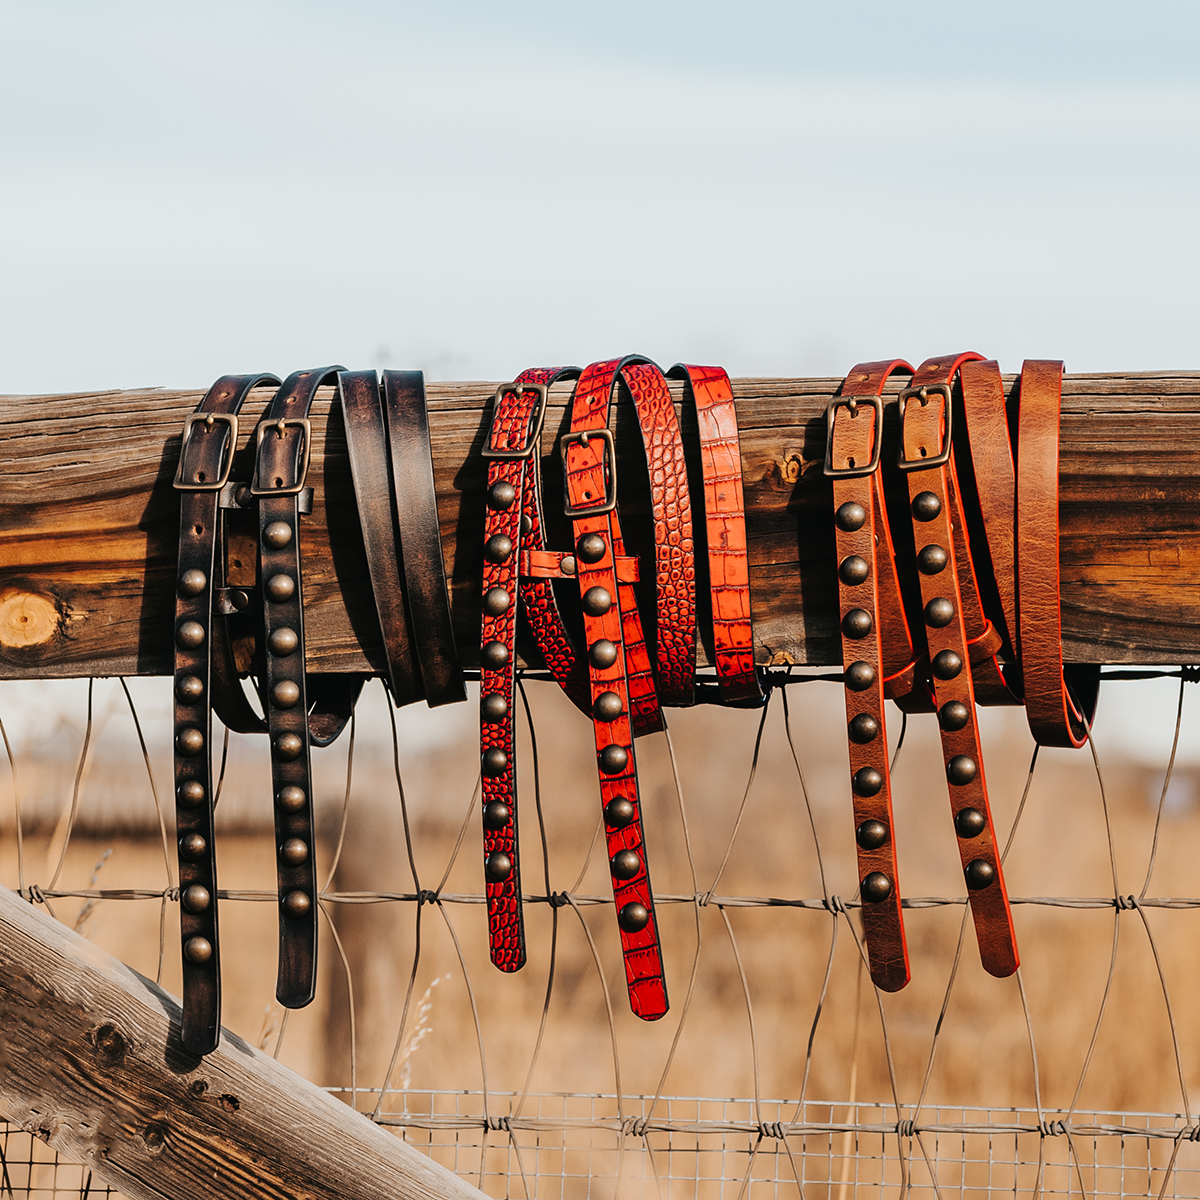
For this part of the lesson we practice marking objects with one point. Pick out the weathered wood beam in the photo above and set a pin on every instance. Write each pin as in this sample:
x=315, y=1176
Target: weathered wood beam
x=88, y=523
x=91, y=1061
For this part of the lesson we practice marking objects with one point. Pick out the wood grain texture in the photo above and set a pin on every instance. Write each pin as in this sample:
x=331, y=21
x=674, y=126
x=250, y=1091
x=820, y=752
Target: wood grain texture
x=91, y=1061
x=88, y=523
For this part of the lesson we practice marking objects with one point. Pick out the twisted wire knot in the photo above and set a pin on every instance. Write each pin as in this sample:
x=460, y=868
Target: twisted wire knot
x=835, y=904
x=426, y=896
x=772, y=1129
x=1052, y=1128
x=499, y=1123
x=32, y=894
x=906, y=1128
x=1192, y=1133
x=633, y=1127
x=171, y=895
x=558, y=899
x=702, y=899
x=1125, y=903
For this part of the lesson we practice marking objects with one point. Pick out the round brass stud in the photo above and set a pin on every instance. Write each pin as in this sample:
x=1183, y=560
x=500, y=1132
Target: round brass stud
x=602, y=654
x=969, y=822
x=607, y=706
x=189, y=741
x=280, y=588
x=870, y=835
x=859, y=676
x=193, y=582
x=493, y=706
x=633, y=917
x=850, y=517
x=591, y=547
x=291, y=799
x=294, y=852
x=190, y=794
x=198, y=950
x=189, y=688
x=193, y=846
x=277, y=535
x=614, y=759
x=868, y=781
x=863, y=729
x=857, y=623
x=501, y=495
x=567, y=565
x=854, y=570
x=497, y=867
x=195, y=898
x=946, y=665
x=190, y=635
x=283, y=641
x=926, y=506
x=932, y=560
x=618, y=813
x=287, y=746
x=496, y=602
x=961, y=769
x=494, y=655
x=980, y=874
x=625, y=864
x=285, y=694
x=494, y=762
x=953, y=715
x=297, y=904
x=239, y=598
x=498, y=548
x=939, y=612
x=597, y=601
x=876, y=887
x=496, y=814
x=526, y=524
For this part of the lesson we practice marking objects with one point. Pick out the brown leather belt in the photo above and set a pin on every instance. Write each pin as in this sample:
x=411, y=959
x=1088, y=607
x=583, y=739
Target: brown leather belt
x=205, y=459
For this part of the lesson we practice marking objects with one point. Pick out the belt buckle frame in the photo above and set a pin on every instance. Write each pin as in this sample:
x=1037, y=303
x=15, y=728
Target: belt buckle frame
x=533, y=433
x=922, y=394
x=278, y=426
x=583, y=436
x=209, y=419
x=852, y=403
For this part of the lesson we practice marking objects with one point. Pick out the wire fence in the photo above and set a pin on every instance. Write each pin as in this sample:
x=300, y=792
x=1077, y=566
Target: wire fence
x=512, y=1139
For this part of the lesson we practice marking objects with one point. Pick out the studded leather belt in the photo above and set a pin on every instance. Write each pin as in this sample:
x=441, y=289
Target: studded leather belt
x=620, y=683
x=205, y=459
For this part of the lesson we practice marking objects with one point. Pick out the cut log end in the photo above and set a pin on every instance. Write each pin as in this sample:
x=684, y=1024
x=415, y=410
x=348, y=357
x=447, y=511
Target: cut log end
x=27, y=619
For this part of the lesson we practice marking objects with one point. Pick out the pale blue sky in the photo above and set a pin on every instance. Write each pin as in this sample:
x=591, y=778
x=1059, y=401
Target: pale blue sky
x=471, y=187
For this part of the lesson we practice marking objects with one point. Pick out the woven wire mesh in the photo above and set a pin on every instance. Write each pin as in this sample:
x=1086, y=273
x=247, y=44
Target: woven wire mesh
x=513, y=1140
x=30, y=1170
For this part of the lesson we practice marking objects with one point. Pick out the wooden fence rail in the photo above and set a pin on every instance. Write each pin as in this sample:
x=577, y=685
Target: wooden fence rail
x=88, y=523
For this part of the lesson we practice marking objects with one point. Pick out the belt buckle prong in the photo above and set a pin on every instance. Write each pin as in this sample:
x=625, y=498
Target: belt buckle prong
x=209, y=419
x=583, y=436
x=922, y=394
x=852, y=403
x=534, y=431
x=280, y=426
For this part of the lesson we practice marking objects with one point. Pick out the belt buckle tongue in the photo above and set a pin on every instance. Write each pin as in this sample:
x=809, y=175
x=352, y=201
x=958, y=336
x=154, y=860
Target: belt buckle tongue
x=278, y=427
x=533, y=432
x=922, y=394
x=182, y=482
x=852, y=403
x=608, y=501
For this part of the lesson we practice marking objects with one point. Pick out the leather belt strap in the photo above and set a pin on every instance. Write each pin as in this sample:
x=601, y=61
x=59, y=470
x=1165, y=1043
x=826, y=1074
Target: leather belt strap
x=876, y=649
x=514, y=514
x=367, y=442
x=1055, y=717
x=205, y=457
x=940, y=536
x=711, y=394
x=283, y=444
x=624, y=701
x=415, y=499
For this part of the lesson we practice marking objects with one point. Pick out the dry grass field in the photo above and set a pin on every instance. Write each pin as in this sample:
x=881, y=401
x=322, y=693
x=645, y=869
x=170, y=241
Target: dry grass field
x=761, y=969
